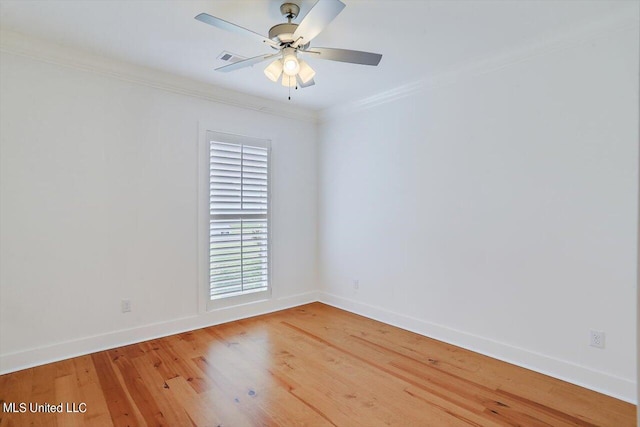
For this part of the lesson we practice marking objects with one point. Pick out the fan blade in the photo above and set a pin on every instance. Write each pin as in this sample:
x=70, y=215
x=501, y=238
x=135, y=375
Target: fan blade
x=246, y=62
x=228, y=26
x=307, y=84
x=345, y=55
x=320, y=15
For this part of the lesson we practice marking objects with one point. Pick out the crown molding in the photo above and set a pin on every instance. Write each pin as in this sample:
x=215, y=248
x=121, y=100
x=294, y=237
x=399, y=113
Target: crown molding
x=27, y=46
x=621, y=20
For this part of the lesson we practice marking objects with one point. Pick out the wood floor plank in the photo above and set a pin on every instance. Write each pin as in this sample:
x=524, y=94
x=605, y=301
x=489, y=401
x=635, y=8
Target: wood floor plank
x=68, y=392
x=312, y=365
x=43, y=393
x=142, y=398
x=16, y=388
x=171, y=413
x=196, y=409
x=168, y=358
x=123, y=413
x=91, y=393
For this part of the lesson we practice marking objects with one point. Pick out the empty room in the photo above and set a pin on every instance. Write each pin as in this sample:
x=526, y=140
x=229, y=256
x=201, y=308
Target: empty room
x=319, y=213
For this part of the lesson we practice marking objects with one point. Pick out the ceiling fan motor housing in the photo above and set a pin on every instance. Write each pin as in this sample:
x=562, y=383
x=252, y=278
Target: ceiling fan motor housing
x=283, y=33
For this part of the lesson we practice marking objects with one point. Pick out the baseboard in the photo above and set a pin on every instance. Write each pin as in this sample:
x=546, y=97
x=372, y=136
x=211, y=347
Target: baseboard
x=64, y=350
x=601, y=382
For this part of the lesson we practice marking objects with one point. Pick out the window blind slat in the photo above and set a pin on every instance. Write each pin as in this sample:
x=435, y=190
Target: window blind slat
x=220, y=154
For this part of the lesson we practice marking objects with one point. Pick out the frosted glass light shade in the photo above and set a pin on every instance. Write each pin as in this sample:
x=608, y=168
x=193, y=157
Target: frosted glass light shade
x=306, y=73
x=273, y=70
x=290, y=63
x=288, y=81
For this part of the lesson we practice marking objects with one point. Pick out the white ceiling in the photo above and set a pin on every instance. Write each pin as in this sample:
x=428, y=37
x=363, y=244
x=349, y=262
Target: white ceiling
x=417, y=38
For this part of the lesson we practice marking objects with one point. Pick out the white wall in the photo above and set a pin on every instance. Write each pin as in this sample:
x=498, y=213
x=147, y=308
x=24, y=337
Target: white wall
x=498, y=212
x=98, y=191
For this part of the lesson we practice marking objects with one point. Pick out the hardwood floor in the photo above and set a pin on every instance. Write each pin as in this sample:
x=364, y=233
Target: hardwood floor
x=312, y=365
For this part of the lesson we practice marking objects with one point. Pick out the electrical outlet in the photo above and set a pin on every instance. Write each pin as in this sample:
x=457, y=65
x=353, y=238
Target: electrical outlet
x=126, y=305
x=596, y=339
x=356, y=284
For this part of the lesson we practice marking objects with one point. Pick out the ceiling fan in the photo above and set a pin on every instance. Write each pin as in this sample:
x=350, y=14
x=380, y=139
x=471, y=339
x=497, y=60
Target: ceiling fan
x=293, y=41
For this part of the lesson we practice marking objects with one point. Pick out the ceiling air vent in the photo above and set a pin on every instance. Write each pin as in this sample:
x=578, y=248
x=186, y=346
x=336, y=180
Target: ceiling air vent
x=230, y=57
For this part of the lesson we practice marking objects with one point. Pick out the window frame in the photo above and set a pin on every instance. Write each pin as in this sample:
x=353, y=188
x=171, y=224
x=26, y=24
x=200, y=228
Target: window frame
x=206, y=303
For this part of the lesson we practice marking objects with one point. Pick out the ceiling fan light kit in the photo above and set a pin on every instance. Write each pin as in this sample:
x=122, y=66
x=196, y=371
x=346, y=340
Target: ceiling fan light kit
x=293, y=39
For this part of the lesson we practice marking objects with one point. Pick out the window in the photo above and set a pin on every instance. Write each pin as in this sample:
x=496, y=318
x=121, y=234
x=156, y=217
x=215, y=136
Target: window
x=238, y=215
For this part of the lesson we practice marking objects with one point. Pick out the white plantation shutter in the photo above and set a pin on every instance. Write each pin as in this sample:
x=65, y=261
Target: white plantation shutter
x=238, y=215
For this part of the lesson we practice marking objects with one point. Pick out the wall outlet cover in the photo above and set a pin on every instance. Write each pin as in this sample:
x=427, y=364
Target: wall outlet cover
x=596, y=339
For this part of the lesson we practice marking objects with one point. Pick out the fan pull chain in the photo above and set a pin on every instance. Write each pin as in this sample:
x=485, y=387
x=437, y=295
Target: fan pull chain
x=289, y=85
